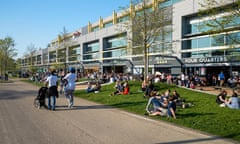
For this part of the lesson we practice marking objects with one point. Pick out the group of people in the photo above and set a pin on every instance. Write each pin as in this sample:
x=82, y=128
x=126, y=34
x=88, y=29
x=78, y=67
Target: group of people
x=121, y=88
x=164, y=104
x=67, y=82
x=93, y=88
x=233, y=102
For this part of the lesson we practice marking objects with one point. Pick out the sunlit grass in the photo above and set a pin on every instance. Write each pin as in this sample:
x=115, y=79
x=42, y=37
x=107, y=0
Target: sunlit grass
x=205, y=115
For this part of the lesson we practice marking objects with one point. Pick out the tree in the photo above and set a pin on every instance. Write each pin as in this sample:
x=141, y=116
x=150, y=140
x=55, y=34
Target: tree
x=62, y=35
x=31, y=49
x=7, y=52
x=221, y=17
x=148, y=25
x=61, y=38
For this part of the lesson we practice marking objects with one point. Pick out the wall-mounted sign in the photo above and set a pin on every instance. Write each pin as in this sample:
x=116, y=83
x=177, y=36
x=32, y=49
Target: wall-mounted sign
x=162, y=62
x=205, y=60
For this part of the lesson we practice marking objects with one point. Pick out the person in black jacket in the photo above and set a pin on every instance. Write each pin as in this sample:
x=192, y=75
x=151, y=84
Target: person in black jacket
x=221, y=97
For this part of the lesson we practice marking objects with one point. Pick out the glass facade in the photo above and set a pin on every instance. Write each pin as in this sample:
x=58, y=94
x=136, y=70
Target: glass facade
x=168, y=3
x=91, y=47
x=52, y=57
x=115, y=53
x=115, y=42
x=94, y=29
x=219, y=44
x=123, y=19
x=115, y=46
x=74, y=53
x=108, y=24
x=39, y=58
x=91, y=51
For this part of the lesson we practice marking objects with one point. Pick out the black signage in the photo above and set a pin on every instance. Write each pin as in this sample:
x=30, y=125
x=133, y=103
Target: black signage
x=206, y=60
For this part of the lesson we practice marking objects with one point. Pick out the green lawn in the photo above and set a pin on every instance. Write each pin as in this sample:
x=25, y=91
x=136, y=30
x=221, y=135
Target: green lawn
x=205, y=115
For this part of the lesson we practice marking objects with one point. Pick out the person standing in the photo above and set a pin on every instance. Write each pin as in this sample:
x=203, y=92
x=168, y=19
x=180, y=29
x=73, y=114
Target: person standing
x=52, y=83
x=70, y=87
x=221, y=78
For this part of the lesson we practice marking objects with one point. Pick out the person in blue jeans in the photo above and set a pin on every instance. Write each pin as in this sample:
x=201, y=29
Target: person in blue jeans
x=167, y=109
x=171, y=107
x=154, y=105
x=70, y=87
x=51, y=83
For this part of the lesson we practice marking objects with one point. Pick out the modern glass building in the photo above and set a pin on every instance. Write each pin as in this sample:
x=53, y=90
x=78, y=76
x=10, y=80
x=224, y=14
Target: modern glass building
x=104, y=45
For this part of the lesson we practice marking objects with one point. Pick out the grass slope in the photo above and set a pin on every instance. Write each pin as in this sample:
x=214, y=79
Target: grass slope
x=205, y=115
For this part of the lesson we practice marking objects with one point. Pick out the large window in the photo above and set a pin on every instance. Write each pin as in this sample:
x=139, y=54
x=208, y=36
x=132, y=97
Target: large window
x=73, y=53
x=115, y=42
x=123, y=19
x=91, y=47
x=108, y=24
x=217, y=40
x=115, y=53
x=233, y=38
x=168, y=3
x=197, y=43
x=212, y=41
x=94, y=29
x=52, y=57
x=92, y=56
x=198, y=24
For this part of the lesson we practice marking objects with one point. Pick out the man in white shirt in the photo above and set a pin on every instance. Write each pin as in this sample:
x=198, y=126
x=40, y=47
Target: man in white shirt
x=51, y=83
x=70, y=87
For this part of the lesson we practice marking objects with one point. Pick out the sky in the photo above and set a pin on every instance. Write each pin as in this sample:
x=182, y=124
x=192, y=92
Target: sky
x=38, y=22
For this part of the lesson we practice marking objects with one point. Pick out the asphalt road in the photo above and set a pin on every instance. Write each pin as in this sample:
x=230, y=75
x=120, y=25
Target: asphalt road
x=86, y=123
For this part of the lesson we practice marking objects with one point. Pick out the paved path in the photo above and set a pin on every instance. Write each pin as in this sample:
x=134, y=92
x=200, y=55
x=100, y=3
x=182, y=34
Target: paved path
x=86, y=123
x=213, y=90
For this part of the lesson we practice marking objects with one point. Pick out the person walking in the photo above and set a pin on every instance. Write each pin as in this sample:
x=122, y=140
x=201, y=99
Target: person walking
x=52, y=83
x=70, y=87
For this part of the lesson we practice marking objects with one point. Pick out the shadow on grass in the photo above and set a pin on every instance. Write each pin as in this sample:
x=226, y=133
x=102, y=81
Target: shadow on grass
x=193, y=114
x=128, y=104
x=206, y=140
x=233, y=136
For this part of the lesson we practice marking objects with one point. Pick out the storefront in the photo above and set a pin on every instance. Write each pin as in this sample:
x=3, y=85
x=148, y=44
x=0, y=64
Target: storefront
x=209, y=66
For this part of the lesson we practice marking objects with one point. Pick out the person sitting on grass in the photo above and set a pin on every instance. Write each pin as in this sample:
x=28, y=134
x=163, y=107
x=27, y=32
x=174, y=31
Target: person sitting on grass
x=89, y=87
x=95, y=88
x=233, y=102
x=119, y=88
x=221, y=97
x=149, y=88
x=125, y=91
x=178, y=100
x=169, y=112
x=153, y=104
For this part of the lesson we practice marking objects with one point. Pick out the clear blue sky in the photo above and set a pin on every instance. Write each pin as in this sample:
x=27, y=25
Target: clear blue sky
x=38, y=22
